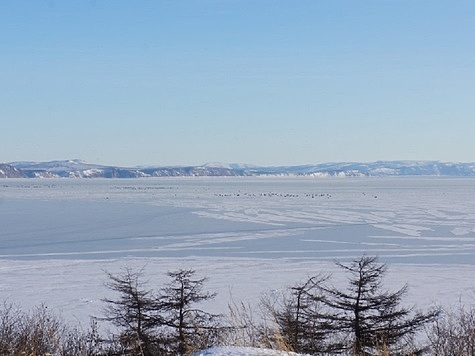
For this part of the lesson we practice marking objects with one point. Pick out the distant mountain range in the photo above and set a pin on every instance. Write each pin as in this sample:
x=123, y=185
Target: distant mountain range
x=81, y=169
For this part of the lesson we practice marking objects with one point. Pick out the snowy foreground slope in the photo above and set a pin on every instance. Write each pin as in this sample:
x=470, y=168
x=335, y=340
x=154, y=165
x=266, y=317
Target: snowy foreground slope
x=249, y=236
x=242, y=351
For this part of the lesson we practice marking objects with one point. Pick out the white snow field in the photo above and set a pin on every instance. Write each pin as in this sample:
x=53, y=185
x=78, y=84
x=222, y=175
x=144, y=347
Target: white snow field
x=242, y=351
x=249, y=236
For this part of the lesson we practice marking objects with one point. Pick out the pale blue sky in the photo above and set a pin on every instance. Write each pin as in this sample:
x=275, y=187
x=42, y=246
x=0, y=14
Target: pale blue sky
x=268, y=82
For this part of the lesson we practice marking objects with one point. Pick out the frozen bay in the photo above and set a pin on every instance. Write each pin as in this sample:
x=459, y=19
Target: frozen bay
x=249, y=235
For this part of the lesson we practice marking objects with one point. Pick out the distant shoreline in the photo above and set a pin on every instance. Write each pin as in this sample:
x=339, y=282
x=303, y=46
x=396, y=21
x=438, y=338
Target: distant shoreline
x=81, y=169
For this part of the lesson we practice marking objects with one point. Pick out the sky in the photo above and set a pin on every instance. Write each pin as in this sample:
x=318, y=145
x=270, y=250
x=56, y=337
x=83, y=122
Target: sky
x=267, y=82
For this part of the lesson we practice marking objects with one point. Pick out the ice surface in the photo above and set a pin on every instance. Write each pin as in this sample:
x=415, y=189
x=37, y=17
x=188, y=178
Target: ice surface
x=248, y=235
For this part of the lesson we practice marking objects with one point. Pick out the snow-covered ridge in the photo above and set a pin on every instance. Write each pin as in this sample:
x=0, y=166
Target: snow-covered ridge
x=8, y=171
x=80, y=169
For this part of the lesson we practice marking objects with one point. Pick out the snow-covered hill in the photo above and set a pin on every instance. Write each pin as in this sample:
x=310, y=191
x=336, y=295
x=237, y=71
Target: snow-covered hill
x=379, y=168
x=8, y=171
x=80, y=169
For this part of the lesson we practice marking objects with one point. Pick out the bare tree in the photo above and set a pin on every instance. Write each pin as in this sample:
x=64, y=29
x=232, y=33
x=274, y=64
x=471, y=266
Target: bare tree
x=189, y=328
x=362, y=319
x=134, y=312
x=371, y=316
x=295, y=315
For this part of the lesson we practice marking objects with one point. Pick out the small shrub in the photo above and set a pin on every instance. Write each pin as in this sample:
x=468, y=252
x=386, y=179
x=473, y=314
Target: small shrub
x=454, y=333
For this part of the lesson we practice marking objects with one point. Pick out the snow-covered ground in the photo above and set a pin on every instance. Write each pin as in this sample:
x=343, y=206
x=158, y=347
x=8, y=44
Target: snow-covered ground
x=249, y=236
x=242, y=351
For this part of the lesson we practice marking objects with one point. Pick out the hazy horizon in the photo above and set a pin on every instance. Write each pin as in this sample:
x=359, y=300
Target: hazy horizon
x=224, y=163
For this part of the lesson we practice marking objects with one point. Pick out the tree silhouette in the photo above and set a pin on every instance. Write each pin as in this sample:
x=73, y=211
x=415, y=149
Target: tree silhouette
x=189, y=327
x=295, y=314
x=371, y=316
x=134, y=313
x=362, y=319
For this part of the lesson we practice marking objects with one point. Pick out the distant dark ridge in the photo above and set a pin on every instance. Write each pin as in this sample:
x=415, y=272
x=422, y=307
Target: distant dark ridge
x=80, y=169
